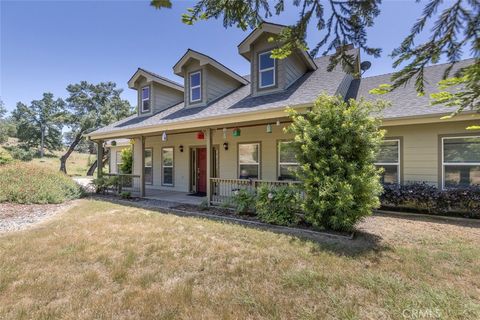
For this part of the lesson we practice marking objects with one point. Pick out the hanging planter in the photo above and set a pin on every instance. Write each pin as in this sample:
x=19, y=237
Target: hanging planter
x=164, y=136
x=269, y=128
x=236, y=132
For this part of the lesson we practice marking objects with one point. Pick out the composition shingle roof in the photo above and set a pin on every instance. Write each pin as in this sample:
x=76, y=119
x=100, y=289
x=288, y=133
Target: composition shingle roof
x=405, y=101
x=304, y=91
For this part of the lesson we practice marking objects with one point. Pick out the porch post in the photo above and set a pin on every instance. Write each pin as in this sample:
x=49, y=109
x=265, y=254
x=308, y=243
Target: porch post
x=142, y=167
x=209, y=164
x=99, y=158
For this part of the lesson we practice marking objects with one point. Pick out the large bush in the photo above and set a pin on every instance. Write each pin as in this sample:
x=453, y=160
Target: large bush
x=278, y=205
x=27, y=183
x=336, y=145
x=422, y=197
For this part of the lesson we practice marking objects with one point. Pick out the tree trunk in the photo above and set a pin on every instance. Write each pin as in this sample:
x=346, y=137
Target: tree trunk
x=93, y=167
x=63, y=159
x=42, y=141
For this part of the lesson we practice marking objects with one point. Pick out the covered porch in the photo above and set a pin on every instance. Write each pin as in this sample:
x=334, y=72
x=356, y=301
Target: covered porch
x=204, y=164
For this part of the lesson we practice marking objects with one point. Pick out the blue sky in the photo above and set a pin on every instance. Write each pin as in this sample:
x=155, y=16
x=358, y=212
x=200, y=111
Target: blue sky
x=46, y=45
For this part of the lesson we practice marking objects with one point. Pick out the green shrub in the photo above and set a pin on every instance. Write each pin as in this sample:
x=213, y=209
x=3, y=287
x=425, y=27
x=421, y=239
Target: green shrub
x=125, y=195
x=243, y=201
x=27, y=183
x=104, y=183
x=336, y=144
x=278, y=205
x=5, y=157
x=127, y=160
x=22, y=153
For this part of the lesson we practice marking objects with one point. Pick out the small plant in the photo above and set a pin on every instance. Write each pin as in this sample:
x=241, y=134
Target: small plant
x=125, y=195
x=127, y=160
x=5, y=157
x=243, y=201
x=104, y=183
x=278, y=205
x=203, y=205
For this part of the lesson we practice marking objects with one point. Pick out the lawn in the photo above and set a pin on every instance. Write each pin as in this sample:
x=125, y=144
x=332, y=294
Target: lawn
x=100, y=260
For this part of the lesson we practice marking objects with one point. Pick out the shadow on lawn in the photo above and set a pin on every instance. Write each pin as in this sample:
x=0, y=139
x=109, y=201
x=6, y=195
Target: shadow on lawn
x=362, y=242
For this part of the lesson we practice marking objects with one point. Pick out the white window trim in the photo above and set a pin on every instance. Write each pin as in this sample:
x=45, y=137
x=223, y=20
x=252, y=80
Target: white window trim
x=260, y=71
x=172, y=166
x=284, y=163
x=194, y=87
x=258, y=161
x=146, y=99
x=393, y=163
x=456, y=163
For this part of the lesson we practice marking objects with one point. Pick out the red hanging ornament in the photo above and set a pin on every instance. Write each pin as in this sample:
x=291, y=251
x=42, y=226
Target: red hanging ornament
x=200, y=135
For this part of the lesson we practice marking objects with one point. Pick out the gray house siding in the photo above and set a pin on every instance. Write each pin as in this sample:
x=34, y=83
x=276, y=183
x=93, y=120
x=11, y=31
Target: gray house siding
x=294, y=69
x=164, y=97
x=218, y=84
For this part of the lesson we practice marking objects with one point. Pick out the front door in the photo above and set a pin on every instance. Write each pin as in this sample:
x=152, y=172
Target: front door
x=202, y=170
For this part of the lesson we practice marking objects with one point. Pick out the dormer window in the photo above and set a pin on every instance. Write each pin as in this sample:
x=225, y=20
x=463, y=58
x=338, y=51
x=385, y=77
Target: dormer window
x=266, y=70
x=145, y=99
x=196, y=86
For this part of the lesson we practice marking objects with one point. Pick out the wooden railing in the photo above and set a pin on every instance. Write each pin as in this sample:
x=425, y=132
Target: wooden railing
x=222, y=190
x=125, y=183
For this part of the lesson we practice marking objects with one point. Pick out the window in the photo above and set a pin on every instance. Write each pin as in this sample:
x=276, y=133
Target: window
x=195, y=86
x=388, y=158
x=148, y=169
x=461, y=161
x=167, y=166
x=287, y=163
x=119, y=161
x=249, y=160
x=266, y=70
x=145, y=99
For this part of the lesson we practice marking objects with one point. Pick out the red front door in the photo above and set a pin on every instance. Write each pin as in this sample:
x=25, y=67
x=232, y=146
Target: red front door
x=202, y=170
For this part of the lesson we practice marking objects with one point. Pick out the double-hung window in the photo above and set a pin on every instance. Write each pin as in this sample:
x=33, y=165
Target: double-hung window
x=196, y=86
x=167, y=166
x=145, y=107
x=148, y=170
x=388, y=158
x=287, y=163
x=249, y=160
x=266, y=70
x=460, y=161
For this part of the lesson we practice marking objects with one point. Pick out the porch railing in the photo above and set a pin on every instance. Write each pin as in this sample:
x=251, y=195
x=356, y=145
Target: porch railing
x=123, y=182
x=222, y=190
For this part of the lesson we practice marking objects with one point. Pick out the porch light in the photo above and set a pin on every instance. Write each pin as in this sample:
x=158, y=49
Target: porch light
x=225, y=146
x=181, y=148
x=164, y=136
x=236, y=132
x=200, y=135
x=269, y=128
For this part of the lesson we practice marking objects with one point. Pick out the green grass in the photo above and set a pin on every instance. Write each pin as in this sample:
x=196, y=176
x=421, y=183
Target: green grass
x=28, y=183
x=100, y=260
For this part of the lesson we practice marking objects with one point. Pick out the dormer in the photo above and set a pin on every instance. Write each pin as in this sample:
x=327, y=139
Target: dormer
x=205, y=79
x=155, y=93
x=270, y=75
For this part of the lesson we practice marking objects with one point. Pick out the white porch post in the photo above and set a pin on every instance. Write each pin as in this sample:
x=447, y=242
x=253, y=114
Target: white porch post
x=99, y=158
x=142, y=167
x=209, y=164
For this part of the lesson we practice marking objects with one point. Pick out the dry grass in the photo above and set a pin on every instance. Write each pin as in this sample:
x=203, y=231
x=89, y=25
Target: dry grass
x=100, y=260
x=77, y=163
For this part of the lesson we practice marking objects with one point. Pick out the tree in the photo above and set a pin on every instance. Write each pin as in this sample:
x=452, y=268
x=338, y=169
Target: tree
x=335, y=145
x=40, y=124
x=3, y=128
x=91, y=106
x=455, y=29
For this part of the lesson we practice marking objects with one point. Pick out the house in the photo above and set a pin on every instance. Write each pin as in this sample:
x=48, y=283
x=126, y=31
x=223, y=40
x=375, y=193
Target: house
x=219, y=131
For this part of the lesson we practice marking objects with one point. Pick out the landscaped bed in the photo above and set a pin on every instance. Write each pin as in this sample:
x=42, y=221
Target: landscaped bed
x=103, y=260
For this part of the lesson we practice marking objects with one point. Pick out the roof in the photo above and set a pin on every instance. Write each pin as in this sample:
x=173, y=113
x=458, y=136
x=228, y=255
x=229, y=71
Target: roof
x=274, y=28
x=155, y=78
x=204, y=59
x=303, y=92
x=405, y=102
